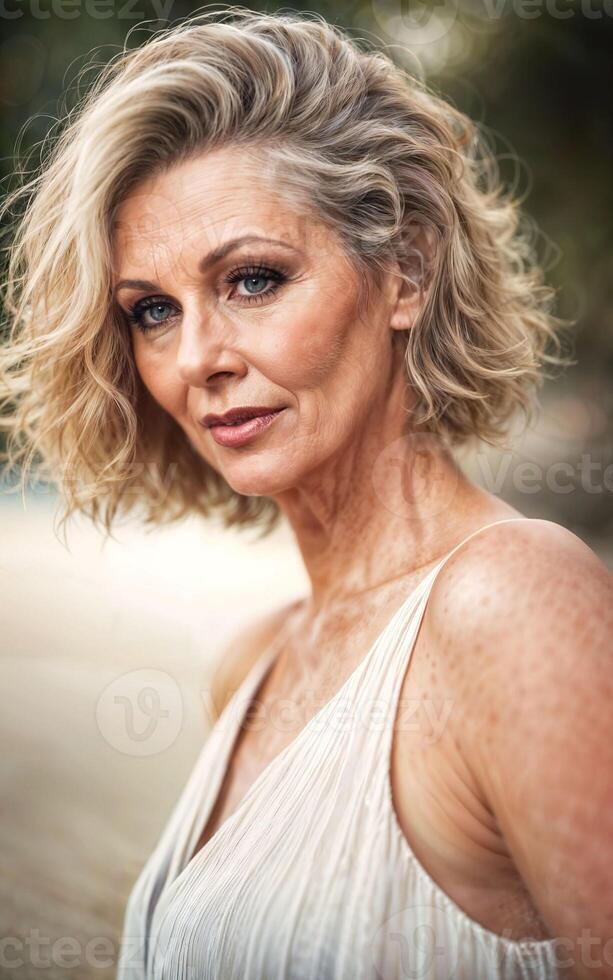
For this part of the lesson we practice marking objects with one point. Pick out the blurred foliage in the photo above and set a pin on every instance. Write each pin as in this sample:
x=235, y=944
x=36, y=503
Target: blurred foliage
x=538, y=74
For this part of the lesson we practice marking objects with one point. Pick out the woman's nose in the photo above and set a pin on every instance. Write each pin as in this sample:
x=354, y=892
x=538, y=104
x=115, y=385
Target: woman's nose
x=206, y=350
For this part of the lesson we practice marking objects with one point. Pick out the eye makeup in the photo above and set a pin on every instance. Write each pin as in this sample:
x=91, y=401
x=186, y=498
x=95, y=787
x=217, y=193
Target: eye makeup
x=141, y=312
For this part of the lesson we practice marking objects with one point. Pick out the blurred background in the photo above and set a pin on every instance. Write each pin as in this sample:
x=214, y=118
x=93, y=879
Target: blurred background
x=83, y=801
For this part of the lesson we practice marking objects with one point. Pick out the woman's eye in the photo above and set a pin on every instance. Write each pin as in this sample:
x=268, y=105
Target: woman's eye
x=147, y=314
x=251, y=282
x=254, y=284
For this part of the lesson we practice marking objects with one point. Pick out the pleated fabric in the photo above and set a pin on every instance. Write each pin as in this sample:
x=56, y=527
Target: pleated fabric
x=311, y=877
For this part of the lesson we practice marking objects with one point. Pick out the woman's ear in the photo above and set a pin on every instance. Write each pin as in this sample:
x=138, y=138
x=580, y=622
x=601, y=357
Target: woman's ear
x=410, y=286
x=409, y=302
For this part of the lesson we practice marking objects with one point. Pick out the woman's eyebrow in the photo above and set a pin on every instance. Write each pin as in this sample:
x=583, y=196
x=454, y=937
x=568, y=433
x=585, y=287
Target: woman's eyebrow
x=216, y=255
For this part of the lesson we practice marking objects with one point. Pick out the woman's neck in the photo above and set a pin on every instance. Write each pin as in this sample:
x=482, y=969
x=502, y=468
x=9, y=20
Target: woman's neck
x=368, y=522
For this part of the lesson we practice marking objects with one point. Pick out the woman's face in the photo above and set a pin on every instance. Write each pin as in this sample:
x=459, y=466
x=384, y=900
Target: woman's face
x=240, y=298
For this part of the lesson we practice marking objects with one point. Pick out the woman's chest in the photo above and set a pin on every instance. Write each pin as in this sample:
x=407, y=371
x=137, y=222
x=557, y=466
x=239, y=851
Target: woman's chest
x=435, y=803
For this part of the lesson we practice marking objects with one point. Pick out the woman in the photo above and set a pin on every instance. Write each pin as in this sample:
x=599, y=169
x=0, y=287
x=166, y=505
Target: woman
x=266, y=272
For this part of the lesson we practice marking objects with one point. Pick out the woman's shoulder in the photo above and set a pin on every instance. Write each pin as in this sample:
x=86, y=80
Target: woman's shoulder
x=518, y=568
x=521, y=592
x=521, y=621
x=242, y=651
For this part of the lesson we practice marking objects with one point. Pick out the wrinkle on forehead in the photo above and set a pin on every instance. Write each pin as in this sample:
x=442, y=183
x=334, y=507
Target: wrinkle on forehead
x=205, y=202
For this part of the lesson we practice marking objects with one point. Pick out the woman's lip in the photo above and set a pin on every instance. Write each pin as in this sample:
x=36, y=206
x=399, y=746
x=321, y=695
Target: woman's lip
x=237, y=435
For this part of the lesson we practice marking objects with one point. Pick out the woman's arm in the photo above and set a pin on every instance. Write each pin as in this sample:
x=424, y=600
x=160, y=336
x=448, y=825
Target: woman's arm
x=528, y=614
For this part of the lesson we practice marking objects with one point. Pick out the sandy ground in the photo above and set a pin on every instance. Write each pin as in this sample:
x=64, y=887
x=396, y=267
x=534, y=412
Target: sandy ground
x=88, y=781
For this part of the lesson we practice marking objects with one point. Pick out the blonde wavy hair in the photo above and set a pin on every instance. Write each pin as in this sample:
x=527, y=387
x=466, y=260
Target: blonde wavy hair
x=376, y=154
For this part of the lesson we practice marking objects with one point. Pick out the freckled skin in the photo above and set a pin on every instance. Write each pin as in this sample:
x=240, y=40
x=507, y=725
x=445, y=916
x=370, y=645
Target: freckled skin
x=507, y=801
x=305, y=348
x=306, y=351
x=531, y=675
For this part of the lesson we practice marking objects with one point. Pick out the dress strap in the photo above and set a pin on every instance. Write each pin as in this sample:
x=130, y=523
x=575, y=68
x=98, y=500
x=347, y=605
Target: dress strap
x=425, y=587
x=505, y=520
x=385, y=680
x=379, y=674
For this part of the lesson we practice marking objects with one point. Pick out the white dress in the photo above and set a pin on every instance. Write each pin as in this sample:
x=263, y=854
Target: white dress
x=311, y=877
